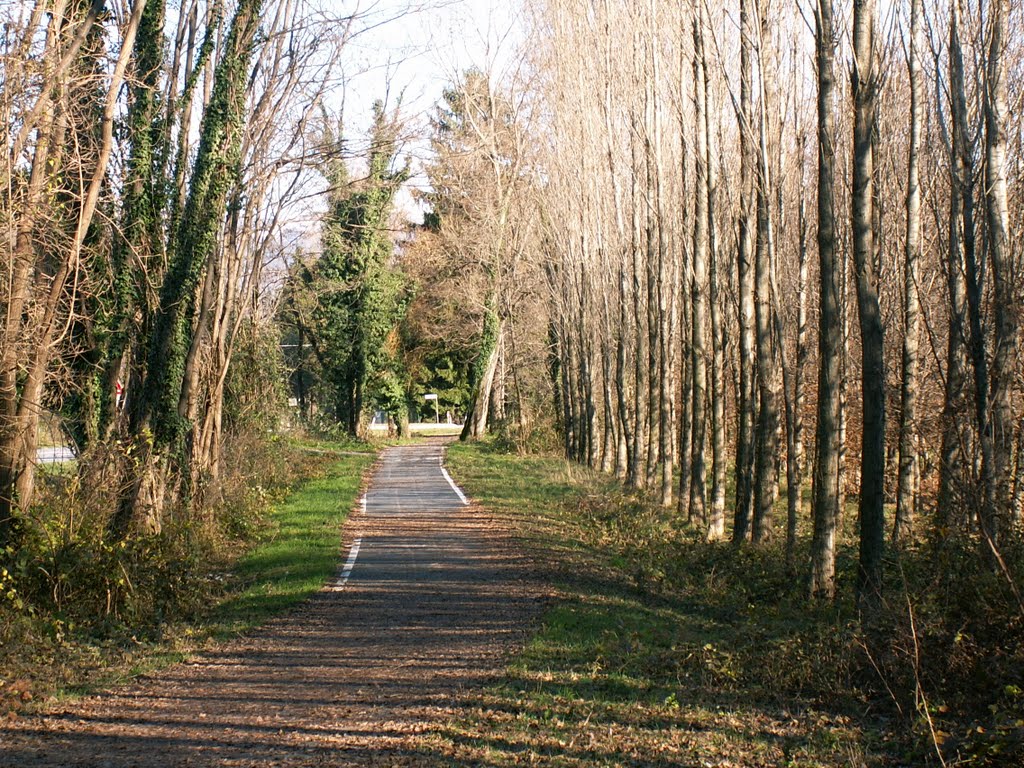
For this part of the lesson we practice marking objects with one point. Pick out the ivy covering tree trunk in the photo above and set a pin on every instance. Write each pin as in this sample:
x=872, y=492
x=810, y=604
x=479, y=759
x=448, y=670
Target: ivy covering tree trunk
x=157, y=417
x=349, y=302
x=482, y=378
x=138, y=247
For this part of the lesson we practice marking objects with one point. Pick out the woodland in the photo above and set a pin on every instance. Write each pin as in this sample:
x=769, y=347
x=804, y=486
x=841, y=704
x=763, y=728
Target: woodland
x=759, y=262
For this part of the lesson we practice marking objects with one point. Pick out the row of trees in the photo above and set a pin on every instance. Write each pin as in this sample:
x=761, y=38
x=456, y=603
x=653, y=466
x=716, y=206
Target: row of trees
x=347, y=299
x=385, y=311
x=159, y=162
x=154, y=155
x=151, y=151
x=688, y=312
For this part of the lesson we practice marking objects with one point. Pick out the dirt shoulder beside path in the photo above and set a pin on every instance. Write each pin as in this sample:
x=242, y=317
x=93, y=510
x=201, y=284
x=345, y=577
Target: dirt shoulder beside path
x=436, y=599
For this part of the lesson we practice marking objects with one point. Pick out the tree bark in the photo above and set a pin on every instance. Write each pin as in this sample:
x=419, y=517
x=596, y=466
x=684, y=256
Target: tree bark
x=716, y=521
x=1005, y=304
x=766, y=462
x=955, y=479
x=697, y=513
x=906, y=494
x=825, y=508
x=487, y=363
x=872, y=469
x=747, y=403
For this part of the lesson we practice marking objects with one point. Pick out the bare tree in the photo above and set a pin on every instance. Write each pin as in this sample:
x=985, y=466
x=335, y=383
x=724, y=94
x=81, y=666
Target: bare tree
x=906, y=497
x=998, y=491
x=825, y=507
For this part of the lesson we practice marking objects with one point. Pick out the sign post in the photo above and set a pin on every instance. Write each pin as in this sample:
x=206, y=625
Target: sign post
x=437, y=406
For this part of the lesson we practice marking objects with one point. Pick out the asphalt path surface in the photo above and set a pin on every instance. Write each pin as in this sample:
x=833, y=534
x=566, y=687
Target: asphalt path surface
x=429, y=599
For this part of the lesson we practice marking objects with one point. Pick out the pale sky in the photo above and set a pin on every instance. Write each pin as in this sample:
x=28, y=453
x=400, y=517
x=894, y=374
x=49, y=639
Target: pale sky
x=416, y=54
x=420, y=51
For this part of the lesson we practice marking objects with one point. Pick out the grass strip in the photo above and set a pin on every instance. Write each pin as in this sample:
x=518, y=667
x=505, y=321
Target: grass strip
x=298, y=553
x=290, y=549
x=630, y=666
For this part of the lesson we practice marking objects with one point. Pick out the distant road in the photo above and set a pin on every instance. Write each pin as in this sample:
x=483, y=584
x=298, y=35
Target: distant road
x=423, y=428
x=58, y=454
x=54, y=455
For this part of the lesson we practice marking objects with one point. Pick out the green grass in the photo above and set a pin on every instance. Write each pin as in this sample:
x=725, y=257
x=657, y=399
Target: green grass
x=645, y=653
x=300, y=550
x=287, y=549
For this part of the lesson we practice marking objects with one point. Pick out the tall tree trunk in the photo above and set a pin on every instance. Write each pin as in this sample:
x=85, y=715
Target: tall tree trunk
x=747, y=403
x=796, y=418
x=872, y=468
x=1006, y=299
x=641, y=388
x=666, y=287
x=825, y=507
x=684, y=317
x=906, y=494
x=953, y=474
x=766, y=462
x=698, y=281
x=955, y=478
x=215, y=173
x=609, y=453
x=716, y=522
x=624, y=445
x=655, y=301
x=621, y=365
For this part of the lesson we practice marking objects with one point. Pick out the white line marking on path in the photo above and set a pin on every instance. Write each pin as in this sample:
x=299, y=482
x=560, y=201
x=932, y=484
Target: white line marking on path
x=458, y=491
x=346, y=571
x=362, y=501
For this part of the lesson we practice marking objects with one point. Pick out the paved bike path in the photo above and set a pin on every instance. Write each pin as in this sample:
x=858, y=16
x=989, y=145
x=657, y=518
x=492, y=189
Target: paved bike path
x=428, y=601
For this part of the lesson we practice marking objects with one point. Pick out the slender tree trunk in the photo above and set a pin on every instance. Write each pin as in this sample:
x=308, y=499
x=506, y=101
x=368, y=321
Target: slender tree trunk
x=684, y=319
x=655, y=303
x=698, y=281
x=792, y=460
x=568, y=399
x=627, y=436
x=608, y=411
x=906, y=495
x=716, y=523
x=766, y=462
x=955, y=479
x=872, y=469
x=641, y=389
x=666, y=290
x=1006, y=299
x=796, y=507
x=825, y=508
x=844, y=383
x=747, y=403
x=1017, y=508
x=685, y=432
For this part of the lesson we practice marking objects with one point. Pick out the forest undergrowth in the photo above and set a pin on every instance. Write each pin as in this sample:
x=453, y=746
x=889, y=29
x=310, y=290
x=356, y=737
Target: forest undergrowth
x=78, y=612
x=659, y=648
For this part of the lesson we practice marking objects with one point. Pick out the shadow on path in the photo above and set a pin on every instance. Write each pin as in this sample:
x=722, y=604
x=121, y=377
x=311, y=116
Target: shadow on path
x=436, y=600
